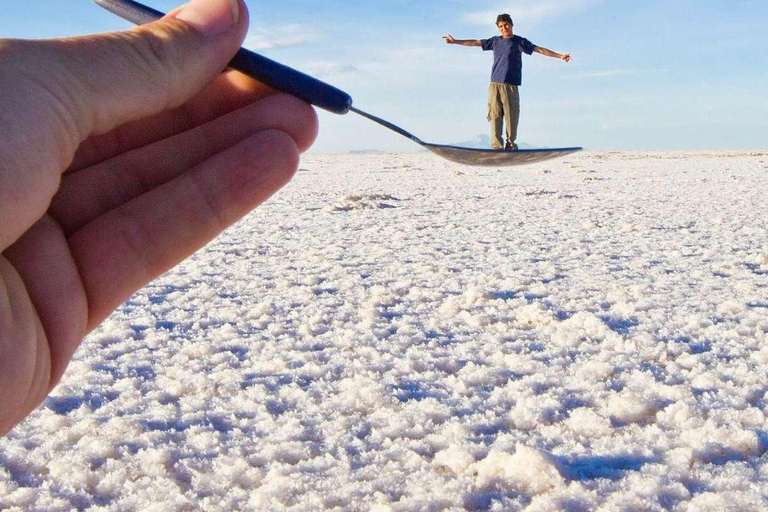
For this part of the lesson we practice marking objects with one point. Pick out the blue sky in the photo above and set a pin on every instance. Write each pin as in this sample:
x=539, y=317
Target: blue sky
x=663, y=75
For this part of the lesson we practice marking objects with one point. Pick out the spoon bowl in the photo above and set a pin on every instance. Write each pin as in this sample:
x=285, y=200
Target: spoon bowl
x=497, y=157
x=475, y=156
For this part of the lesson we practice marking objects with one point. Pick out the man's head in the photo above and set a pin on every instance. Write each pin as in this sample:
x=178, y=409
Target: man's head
x=504, y=23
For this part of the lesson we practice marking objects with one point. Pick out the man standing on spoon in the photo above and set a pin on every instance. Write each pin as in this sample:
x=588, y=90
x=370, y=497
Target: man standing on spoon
x=506, y=77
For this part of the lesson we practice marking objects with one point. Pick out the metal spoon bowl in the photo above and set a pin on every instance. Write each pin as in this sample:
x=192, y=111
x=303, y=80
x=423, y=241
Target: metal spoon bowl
x=475, y=156
x=328, y=97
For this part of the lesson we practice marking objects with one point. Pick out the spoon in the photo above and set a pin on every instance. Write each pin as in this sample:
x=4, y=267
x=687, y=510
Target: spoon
x=328, y=97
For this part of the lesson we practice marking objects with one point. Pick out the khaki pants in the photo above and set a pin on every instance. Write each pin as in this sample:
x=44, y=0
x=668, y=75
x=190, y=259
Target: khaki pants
x=503, y=103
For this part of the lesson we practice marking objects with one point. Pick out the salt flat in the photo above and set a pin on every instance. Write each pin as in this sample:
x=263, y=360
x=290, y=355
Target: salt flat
x=393, y=332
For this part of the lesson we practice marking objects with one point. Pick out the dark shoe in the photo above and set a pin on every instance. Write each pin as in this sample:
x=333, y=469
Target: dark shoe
x=512, y=147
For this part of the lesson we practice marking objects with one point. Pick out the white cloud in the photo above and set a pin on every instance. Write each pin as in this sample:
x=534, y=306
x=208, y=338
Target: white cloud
x=328, y=68
x=422, y=67
x=529, y=11
x=261, y=38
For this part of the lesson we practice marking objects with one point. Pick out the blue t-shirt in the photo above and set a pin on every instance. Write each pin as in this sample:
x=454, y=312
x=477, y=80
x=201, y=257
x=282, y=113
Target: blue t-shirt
x=507, y=58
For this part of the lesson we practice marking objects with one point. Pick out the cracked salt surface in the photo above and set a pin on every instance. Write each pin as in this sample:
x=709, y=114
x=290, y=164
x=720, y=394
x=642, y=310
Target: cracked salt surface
x=392, y=332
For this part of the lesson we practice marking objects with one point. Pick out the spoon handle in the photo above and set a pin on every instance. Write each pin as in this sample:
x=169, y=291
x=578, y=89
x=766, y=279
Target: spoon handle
x=267, y=71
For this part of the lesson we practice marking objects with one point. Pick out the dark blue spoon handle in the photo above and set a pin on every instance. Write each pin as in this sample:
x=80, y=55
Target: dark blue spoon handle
x=267, y=71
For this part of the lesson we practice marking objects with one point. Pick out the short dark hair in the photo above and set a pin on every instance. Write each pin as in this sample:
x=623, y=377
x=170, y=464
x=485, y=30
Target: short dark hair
x=504, y=17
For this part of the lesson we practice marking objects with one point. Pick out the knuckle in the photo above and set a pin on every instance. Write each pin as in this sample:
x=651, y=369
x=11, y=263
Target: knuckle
x=154, y=56
x=157, y=55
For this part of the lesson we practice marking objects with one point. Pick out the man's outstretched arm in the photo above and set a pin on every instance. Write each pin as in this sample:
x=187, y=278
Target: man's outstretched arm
x=549, y=53
x=449, y=39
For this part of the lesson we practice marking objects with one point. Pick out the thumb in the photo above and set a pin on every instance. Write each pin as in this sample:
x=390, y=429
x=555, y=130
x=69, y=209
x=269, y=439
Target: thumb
x=56, y=93
x=105, y=80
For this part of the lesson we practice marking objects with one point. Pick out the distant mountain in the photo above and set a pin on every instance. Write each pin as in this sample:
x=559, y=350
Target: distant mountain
x=484, y=141
x=481, y=141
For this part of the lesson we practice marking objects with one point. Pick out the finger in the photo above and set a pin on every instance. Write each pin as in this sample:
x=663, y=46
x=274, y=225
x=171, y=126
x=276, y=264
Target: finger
x=89, y=193
x=126, y=248
x=23, y=357
x=103, y=81
x=51, y=279
x=231, y=91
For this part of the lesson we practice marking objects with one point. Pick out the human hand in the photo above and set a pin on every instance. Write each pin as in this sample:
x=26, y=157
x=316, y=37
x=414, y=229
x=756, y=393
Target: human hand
x=449, y=39
x=566, y=57
x=122, y=154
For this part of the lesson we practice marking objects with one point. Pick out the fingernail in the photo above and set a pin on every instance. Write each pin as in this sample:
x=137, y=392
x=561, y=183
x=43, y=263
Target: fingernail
x=211, y=17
